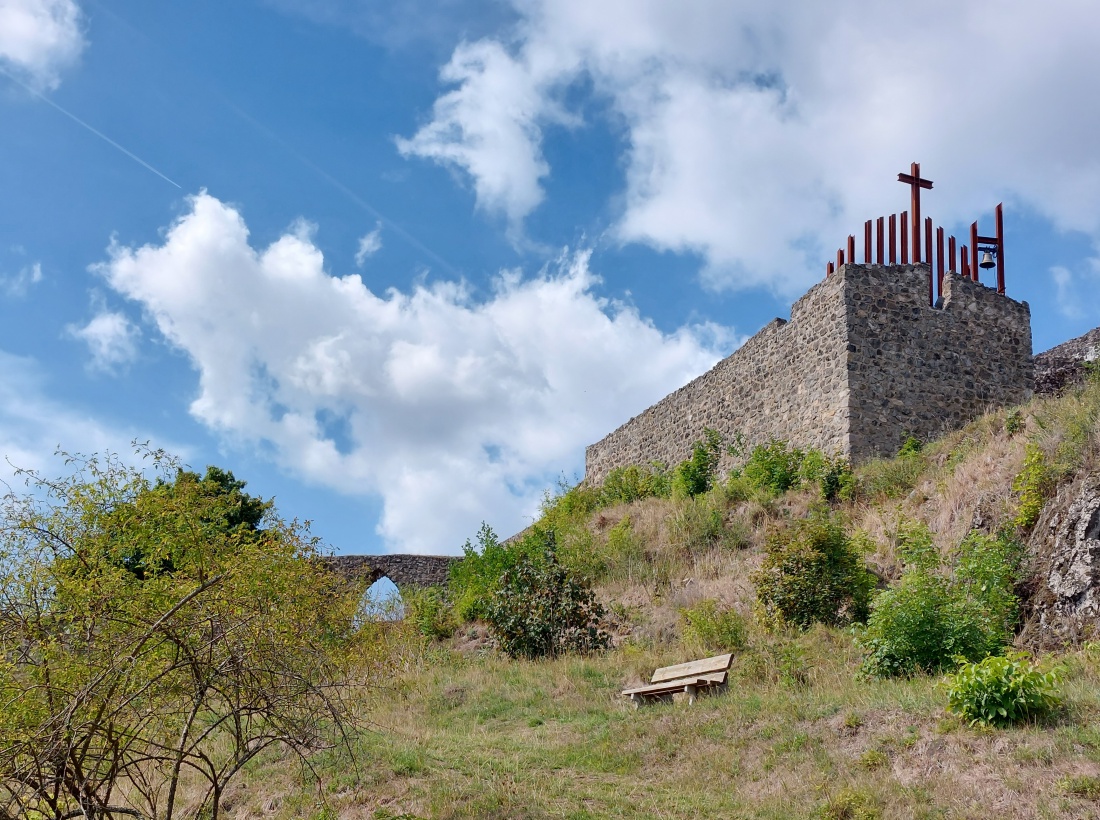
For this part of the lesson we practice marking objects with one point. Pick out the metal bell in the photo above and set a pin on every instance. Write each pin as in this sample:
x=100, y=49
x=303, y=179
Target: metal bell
x=987, y=261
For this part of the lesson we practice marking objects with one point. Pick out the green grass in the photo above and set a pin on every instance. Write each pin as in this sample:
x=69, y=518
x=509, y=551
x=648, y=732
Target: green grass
x=799, y=733
x=486, y=737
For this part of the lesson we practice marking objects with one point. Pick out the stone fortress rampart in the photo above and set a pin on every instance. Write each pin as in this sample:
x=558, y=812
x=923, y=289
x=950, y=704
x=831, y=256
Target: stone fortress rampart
x=863, y=361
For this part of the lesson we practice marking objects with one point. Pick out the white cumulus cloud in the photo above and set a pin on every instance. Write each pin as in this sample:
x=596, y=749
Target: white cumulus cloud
x=451, y=408
x=759, y=135
x=39, y=39
x=369, y=245
x=490, y=126
x=111, y=339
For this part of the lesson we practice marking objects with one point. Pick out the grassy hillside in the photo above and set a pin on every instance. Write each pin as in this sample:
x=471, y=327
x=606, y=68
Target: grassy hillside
x=462, y=731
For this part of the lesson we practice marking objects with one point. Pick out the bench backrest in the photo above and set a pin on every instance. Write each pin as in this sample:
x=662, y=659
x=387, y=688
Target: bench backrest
x=719, y=663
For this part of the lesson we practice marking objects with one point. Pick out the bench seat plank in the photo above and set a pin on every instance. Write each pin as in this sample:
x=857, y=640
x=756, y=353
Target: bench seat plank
x=679, y=684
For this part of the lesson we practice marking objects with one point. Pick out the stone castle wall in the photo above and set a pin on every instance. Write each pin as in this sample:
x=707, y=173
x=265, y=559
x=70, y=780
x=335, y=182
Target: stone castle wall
x=922, y=370
x=788, y=381
x=863, y=360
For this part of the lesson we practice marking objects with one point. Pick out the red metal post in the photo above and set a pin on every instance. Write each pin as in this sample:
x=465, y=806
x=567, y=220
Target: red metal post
x=867, y=242
x=893, y=239
x=839, y=259
x=880, y=229
x=964, y=268
x=828, y=269
x=974, y=250
x=928, y=256
x=951, y=255
x=851, y=249
x=939, y=263
x=904, y=238
x=1000, y=249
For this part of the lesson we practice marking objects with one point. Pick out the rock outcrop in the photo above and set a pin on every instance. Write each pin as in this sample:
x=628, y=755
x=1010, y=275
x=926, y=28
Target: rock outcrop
x=1065, y=364
x=1065, y=596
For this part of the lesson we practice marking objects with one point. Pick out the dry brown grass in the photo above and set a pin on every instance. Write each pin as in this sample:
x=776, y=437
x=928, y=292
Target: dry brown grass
x=486, y=737
x=464, y=733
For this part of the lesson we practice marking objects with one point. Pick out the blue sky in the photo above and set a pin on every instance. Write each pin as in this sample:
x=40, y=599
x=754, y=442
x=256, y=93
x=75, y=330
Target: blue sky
x=397, y=264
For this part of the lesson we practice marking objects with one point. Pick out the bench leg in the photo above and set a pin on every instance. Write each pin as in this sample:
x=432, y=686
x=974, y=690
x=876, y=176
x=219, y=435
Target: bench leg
x=690, y=690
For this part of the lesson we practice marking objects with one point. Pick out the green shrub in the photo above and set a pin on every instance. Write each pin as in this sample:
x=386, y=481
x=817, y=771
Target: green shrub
x=812, y=573
x=935, y=614
x=429, y=611
x=1001, y=690
x=1033, y=484
x=591, y=558
x=570, y=504
x=911, y=446
x=540, y=610
x=696, y=475
x=1014, y=422
x=623, y=547
x=775, y=466
x=474, y=579
x=708, y=628
x=626, y=484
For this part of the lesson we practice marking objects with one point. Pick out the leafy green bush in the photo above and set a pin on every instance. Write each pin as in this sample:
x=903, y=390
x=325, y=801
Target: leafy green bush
x=474, y=579
x=709, y=628
x=1001, y=690
x=911, y=446
x=774, y=466
x=1033, y=484
x=631, y=483
x=429, y=611
x=540, y=610
x=696, y=475
x=157, y=636
x=935, y=614
x=624, y=548
x=812, y=573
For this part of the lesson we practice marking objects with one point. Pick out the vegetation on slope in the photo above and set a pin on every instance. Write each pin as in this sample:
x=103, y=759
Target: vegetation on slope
x=875, y=615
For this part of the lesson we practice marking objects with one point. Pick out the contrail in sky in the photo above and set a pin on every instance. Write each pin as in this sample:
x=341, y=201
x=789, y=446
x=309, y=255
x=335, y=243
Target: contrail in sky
x=79, y=121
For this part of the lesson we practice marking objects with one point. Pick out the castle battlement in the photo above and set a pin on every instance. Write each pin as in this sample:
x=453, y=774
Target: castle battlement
x=863, y=361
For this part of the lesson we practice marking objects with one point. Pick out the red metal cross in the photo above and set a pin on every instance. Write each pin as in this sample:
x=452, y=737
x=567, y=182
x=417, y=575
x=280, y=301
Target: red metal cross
x=913, y=180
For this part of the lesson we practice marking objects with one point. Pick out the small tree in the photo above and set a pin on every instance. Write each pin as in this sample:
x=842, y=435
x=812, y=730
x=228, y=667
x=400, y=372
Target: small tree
x=475, y=578
x=939, y=612
x=539, y=610
x=157, y=632
x=695, y=475
x=812, y=573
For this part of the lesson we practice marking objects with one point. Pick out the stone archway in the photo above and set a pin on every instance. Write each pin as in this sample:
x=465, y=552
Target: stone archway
x=403, y=570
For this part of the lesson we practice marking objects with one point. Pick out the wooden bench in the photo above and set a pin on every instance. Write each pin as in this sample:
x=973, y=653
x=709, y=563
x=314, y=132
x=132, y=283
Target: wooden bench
x=689, y=678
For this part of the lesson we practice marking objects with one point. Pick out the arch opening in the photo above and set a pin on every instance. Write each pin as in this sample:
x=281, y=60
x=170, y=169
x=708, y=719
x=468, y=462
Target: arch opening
x=381, y=602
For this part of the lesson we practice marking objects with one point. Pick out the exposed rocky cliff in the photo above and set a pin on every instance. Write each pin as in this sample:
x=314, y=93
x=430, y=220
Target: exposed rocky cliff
x=1066, y=364
x=1064, y=594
